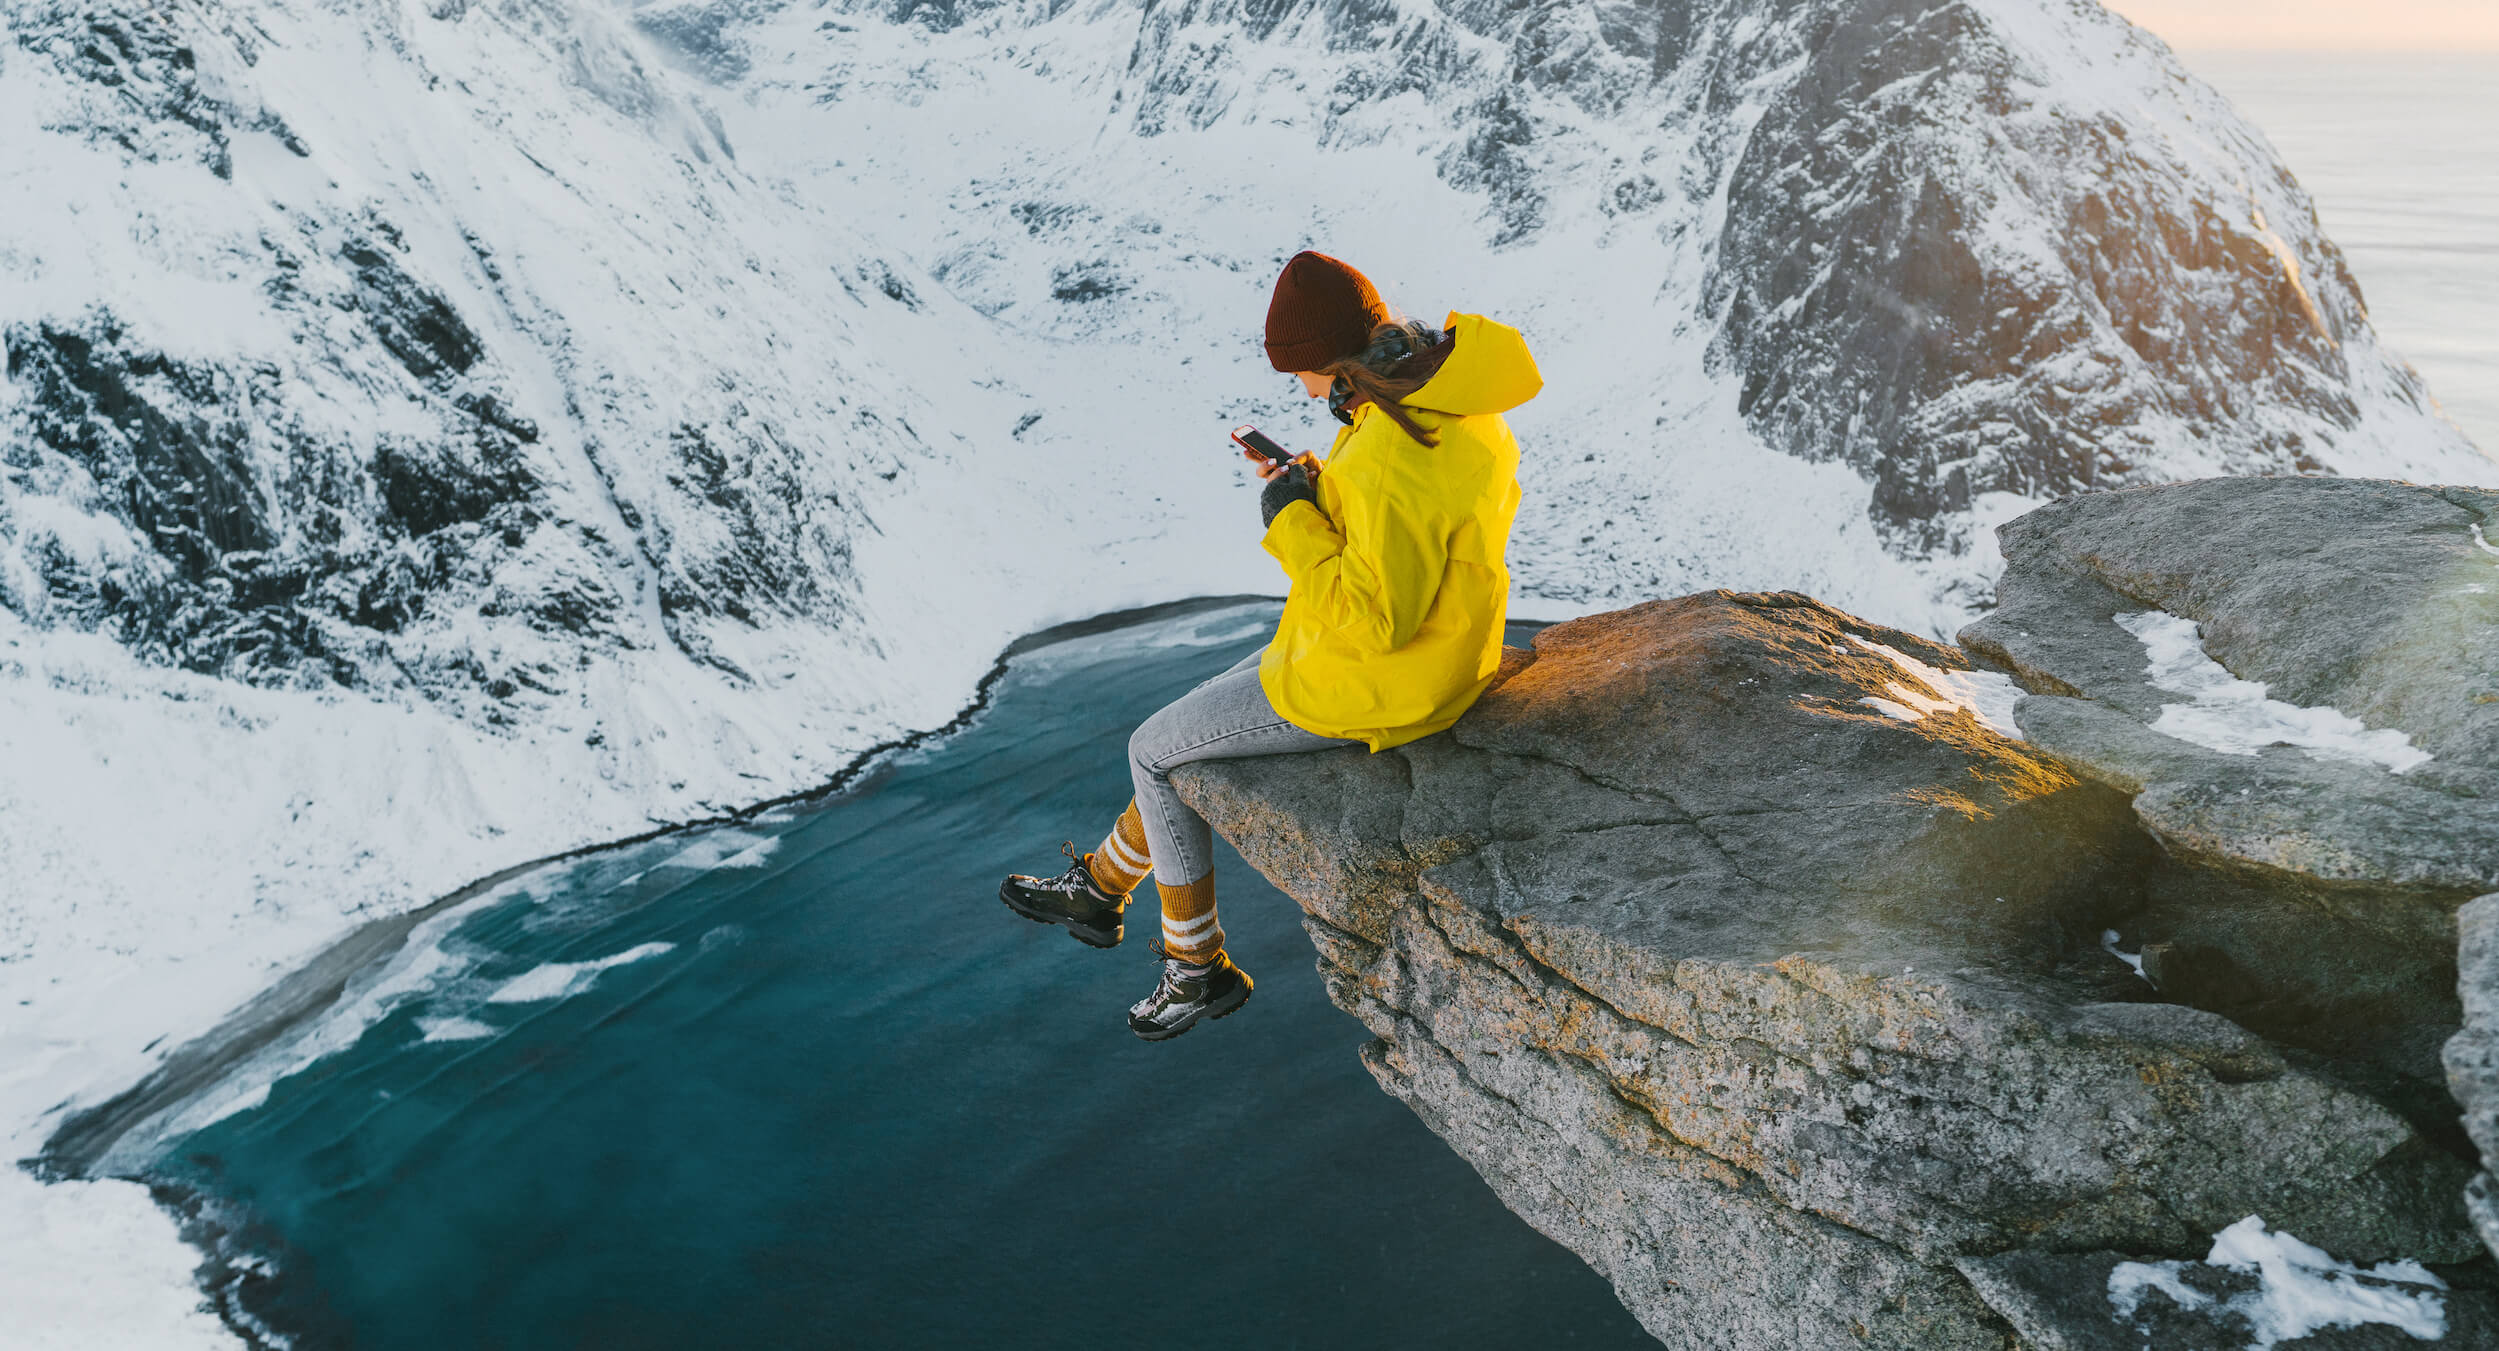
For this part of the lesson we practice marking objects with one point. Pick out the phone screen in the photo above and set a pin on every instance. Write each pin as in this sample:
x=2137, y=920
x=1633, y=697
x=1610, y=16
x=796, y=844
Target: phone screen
x=1250, y=438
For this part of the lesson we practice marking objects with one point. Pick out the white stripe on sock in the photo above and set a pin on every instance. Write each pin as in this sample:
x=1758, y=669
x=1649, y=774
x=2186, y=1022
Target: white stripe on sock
x=1206, y=942
x=1186, y=930
x=1121, y=855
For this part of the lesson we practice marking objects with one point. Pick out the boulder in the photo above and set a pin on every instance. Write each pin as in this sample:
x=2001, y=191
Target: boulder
x=1741, y=950
x=2309, y=897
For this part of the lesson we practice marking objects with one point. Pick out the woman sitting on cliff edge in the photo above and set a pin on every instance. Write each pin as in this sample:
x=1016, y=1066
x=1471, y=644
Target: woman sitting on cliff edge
x=1392, y=627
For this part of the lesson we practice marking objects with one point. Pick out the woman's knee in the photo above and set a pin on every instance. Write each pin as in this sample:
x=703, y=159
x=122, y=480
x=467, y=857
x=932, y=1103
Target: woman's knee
x=1145, y=746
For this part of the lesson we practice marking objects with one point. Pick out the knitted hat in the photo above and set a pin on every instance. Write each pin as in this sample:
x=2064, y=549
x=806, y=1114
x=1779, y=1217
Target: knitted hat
x=1323, y=311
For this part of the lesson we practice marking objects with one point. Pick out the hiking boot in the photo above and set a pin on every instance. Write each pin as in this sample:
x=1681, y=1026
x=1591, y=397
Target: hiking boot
x=1072, y=900
x=1187, y=993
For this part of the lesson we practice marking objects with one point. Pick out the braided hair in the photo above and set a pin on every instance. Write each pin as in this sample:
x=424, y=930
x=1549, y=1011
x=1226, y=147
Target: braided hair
x=1401, y=357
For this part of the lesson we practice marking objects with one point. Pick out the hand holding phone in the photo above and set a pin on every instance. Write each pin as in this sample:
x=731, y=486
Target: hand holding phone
x=1258, y=443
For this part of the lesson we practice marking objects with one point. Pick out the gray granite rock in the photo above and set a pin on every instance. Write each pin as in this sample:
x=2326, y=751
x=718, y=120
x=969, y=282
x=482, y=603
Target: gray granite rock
x=2377, y=599
x=2380, y=599
x=2310, y=899
x=1774, y=1007
x=2472, y=1056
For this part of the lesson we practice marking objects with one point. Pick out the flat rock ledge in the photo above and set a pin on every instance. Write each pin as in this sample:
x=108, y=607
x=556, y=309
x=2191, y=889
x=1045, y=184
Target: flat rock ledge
x=1742, y=955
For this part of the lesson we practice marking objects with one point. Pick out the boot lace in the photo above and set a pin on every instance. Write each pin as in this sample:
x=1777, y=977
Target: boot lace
x=1167, y=989
x=1175, y=970
x=1076, y=878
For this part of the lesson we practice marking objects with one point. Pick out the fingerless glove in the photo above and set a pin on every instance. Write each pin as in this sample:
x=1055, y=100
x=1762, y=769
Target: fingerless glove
x=1293, y=485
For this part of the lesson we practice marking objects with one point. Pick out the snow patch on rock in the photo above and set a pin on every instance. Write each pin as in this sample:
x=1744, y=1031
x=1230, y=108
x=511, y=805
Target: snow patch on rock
x=1988, y=696
x=2133, y=960
x=2304, y=1289
x=2234, y=716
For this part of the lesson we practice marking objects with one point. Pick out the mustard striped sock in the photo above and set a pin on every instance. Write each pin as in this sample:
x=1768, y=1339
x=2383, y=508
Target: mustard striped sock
x=1121, y=863
x=1190, y=930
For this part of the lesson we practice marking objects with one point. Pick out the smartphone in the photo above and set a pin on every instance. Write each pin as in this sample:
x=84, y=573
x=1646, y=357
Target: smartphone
x=1257, y=442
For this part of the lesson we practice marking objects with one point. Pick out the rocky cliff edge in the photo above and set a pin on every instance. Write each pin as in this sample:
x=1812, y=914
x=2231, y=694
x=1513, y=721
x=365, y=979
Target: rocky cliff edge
x=1822, y=989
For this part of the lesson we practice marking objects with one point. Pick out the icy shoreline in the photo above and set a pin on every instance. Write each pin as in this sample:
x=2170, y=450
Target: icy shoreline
x=103, y=1260
x=85, y=1137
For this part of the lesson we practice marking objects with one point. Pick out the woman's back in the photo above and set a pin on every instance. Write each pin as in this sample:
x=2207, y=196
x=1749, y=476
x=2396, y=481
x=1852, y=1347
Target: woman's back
x=1394, y=622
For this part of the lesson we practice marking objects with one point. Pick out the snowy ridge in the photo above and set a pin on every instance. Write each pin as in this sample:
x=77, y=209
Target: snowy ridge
x=438, y=433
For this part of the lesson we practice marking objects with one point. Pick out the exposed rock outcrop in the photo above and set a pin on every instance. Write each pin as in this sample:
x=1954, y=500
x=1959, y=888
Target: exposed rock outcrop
x=2305, y=893
x=1741, y=950
x=2472, y=1056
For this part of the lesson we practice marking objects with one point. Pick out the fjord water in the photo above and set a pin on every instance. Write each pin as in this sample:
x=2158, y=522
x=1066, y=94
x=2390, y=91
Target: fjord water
x=2401, y=153
x=806, y=1083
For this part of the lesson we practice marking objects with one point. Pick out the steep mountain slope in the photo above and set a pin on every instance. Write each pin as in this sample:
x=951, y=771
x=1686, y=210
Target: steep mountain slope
x=1963, y=250
x=426, y=448
x=436, y=434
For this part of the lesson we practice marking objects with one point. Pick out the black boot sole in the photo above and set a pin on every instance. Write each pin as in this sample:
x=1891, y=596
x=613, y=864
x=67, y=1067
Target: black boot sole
x=1079, y=930
x=1224, y=1007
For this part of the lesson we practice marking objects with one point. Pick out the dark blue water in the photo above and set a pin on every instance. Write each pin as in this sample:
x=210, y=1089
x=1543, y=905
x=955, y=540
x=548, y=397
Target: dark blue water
x=854, y=1102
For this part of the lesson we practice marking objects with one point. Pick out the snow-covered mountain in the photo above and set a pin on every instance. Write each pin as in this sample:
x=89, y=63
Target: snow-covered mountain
x=440, y=432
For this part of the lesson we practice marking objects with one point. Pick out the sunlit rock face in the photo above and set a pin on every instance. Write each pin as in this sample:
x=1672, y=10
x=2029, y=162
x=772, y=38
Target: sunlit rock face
x=1740, y=950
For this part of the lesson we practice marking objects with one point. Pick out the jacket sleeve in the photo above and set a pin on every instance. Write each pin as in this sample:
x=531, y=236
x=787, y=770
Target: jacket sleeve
x=1374, y=576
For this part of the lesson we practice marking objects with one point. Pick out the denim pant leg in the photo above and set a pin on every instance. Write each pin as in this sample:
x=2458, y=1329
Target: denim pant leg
x=1227, y=718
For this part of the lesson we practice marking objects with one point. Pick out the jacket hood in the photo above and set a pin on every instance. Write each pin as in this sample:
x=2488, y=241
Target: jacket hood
x=1488, y=370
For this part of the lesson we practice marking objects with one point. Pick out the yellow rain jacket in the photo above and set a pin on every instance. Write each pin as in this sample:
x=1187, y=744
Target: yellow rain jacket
x=1393, y=625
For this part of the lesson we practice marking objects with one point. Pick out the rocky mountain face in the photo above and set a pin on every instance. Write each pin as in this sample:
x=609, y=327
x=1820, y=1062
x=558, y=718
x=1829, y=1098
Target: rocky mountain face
x=435, y=435
x=1970, y=249
x=309, y=402
x=1822, y=990
x=304, y=402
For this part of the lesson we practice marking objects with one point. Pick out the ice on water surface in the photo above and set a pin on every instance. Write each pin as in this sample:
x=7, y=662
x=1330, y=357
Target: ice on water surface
x=725, y=848
x=454, y=1029
x=555, y=980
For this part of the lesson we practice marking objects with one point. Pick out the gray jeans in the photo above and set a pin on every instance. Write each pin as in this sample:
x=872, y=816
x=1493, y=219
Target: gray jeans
x=1227, y=718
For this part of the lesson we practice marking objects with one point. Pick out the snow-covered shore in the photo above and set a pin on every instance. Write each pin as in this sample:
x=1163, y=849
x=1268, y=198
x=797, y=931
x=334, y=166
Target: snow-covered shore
x=188, y=841
x=175, y=843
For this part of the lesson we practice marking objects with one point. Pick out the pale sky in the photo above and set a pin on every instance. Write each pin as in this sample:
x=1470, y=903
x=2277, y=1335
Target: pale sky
x=2319, y=25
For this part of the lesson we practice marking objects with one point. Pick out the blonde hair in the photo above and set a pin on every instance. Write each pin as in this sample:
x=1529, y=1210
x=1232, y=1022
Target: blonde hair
x=1400, y=357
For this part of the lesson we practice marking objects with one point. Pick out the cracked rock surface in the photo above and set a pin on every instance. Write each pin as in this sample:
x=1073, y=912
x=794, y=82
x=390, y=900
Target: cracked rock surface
x=2311, y=899
x=1773, y=1006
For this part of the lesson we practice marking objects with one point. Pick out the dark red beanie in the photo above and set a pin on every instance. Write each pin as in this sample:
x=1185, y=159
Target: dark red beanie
x=1323, y=311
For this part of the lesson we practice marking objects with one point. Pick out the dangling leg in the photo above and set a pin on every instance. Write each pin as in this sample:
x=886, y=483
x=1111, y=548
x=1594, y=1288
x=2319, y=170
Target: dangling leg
x=1087, y=899
x=1122, y=861
x=1225, y=718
